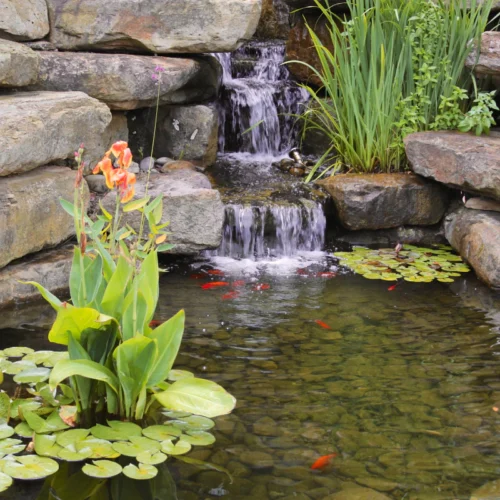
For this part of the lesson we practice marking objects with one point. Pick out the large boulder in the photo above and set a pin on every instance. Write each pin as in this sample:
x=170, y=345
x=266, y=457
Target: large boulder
x=463, y=161
x=37, y=128
x=380, y=201
x=125, y=81
x=476, y=236
x=50, y=268
x=163, y=27
x=23, y=19
x=31, y=217
x=195, y=210
x=18, y=64
x=274, y=20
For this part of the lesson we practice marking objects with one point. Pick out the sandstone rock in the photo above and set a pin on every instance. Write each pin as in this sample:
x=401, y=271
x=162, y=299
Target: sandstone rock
x=23, y=19
x=194, y=210
x=476, y=236
x=274, y=20
x=357, y=494
x=486, y=61
x=50, y=268
x=378, y=201
x=460, y=160
x=177, y=165
x=37, y=128
x=97, y=183
x=41, y=45
x=176, y=26
x=191, y=133
x=18, y=64
x=31, y=217
x=483, y=204
x=125, y=81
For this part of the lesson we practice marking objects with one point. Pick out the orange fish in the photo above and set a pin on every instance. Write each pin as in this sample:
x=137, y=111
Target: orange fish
x=231, y=295
x=154, y=323
x=302, y=272
x=323, y=461
x=215, y=272
x=236, y=284
x=326, y=274
x=392, y=287
x=261, y=286
x=198, y=276
x=214, y=284
x=322, y=324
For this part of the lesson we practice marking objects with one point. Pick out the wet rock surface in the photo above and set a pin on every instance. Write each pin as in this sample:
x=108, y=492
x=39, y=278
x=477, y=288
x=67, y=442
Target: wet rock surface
x=381, y=201
x=18, y=64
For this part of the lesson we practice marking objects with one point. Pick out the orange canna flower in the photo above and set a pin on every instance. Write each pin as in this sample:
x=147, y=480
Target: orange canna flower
x=118, y=148
x=125, y=158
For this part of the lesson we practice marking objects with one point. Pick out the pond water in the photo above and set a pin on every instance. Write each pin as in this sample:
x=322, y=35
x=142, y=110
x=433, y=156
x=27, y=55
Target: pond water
x=403, y=387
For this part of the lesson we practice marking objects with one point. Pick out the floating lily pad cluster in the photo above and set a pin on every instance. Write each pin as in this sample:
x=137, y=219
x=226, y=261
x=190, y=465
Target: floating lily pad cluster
x=411, y=263
x=36, y=432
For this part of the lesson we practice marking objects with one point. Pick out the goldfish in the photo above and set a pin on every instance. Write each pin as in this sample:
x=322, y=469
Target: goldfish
x=154, y=323
x=198, y=276
x=238, y=283
x=215, y=272
x=302, y=272
x=323, y=461
x=326, y=274
x=322, y=324
x=214, y=284
x=231, y=295
x=261, y=286
x=392, y=287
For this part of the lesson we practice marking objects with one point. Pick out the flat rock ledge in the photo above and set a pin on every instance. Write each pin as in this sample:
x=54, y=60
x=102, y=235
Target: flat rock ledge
x=50, y=268
x=486, y=60
x=382, y=201
x=195, y=210
x=18, y=64
x=23, y=19
x=38, y=128
x=459, y=160
x=476, y=236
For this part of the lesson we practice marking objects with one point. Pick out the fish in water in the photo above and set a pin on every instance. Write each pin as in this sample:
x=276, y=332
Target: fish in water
x=215, y=272
x=198, y=276
x=323, y=324
x=261, y=286
x=236, y=284
x=214, y=284
x=231, y=295
x=154, y=323
x=323, y=461
x=392, y=287
x=326, y=274
x=302, y=272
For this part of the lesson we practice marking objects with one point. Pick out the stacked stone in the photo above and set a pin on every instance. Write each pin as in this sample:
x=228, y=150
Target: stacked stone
x=73, y=72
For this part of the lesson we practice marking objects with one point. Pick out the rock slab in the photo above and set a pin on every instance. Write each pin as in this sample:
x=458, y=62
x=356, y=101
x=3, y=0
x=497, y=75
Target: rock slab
x=476, y=236
x=37, y=128
x=23, y=19
x=382, y=201
x=195, y=210
x=18, y=64
x=463, y=161
x=173, y=26
x=125, y=81
x=31, y=217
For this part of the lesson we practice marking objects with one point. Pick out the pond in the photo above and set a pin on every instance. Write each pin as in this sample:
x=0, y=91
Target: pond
x=404, y=385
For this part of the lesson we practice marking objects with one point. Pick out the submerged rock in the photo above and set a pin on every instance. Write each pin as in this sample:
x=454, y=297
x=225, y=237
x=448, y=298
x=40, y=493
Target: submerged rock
x=18, y=64
x=355, y=493
x=23, y=19
x=379, y=201
x=488, y=491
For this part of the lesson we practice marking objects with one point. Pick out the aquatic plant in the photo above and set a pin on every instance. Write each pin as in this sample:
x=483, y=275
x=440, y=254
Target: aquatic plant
x=411, y=263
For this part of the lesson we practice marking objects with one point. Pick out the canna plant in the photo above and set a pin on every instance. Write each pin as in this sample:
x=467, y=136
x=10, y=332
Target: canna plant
x=118, y=364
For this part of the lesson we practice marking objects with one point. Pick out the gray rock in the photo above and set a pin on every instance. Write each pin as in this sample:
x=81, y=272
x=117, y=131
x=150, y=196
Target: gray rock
x=476, y=236
x=274, y=20
x=193, y=26
x=18, y=64
x=191, y=133
x=195, y=210
x=125, y=81
x=97, y=183
x=486, y=60
x=463, y=161
x=161, y=161
x=357, y=494
x=23, y=19
x=379, y=201
x=483, y=204
x=134, y=168
x=31, y=217
x=37, y=128
x=146, y=164
x=50, y=268
x=41, y=45
x=257, y=459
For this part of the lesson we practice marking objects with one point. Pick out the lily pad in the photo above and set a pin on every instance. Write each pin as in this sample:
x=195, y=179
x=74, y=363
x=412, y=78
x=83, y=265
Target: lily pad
x=19, y=366
x=23, y=405
x=53, y=423
x=100, y=448
x=149, y=458
x=71, y=454
x=198, y=423
x=144, y=471
x=5, y=481
x=178, y=448
x=30, y=467
x=136, y=445
x=117, y=431
x=32, y=376
x=72, y=436
x=161, y=432
x=10, y=446
x=38, y=357
x=5, y=405
x=46, y=446
x=102, y=469
x=199, y=438
x=17, y=352
x=55, y=358
x=6, y=431
x=24, y=430
x=176, y=413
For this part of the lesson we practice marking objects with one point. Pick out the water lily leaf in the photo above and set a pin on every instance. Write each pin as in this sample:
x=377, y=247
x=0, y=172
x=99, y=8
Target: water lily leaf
x=144, y=471
x=17, y=352
x=19, y=366
x=38, y=357
x=23, y=430
x=5, y=481
x=176, y=414
x=68, y=414
x=178, y=448
x=117, y=431
x=149, y=458
x=102, y=469
x=199, y=438
x=30, y=467
x=71, y=454
x=23, y=405
x=55, y=358
x=179, y=375
x=445, y=280
x=42, y=426
x=6, y=431
x=161, y=432
x=10, y=446
x=4, y=407
x=32, y=375
x=46, y=446
x=4, y=364
x=197, y=423
x=100, y=448
x=136, y=445
x=72, y=436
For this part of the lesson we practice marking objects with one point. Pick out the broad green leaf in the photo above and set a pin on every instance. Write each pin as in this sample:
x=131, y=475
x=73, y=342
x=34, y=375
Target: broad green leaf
x=48, y=296
x=19, y=366
x=136, y=445
x=156, y=202
x=161, y=432
x=135, y=315
x=101, y=448
x=71, y=437
x=104, y=211
x=168, y=337
x=197, y=396
x=24, y=430
x=117, y=431
x=164, y=247
x=6, y=431
x=136, y=204
x=112, y=300
x=39, y=357
x=53, y=422
x=102, y=469
x=32, y=375
x=55, y=358
x=144, y=471
x=17, y=352
x=30, y=467
x=196, y=423
x=71, y=454
x=178, y=448
x=174, y=375
x=4, y=407
x=148, y=282
x=199, y=438
x=10, y=446
x=26, y=404
x=158, y=211
x=5, y=482
x=46, y=446
x=148, y=458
